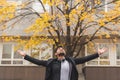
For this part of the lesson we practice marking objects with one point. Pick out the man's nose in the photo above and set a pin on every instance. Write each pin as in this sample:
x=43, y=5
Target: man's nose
x=61, y=49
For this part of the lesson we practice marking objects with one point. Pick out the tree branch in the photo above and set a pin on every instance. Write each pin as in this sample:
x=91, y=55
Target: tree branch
x=99, y=29
x=60, y=10
x=42, y=5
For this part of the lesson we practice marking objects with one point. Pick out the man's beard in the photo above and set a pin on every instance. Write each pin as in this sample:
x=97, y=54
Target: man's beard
x=61, y=54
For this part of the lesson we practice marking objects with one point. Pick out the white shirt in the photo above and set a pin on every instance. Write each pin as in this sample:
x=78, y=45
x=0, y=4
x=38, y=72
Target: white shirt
x=65, y=68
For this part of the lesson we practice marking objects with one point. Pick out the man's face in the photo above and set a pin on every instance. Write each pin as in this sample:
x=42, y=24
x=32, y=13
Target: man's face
x=59, y=51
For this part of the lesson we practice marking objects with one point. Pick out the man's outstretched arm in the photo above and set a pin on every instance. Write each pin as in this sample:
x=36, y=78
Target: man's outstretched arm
x=31, y=59
x=90, y=57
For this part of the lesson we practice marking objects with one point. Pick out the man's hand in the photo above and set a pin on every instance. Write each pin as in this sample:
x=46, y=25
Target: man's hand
x=22, y=53
x=101, y=51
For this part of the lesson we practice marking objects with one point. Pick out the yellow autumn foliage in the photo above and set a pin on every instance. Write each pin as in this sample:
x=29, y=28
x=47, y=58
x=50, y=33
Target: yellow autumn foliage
x=40, y=24
x=7, y=10
x=91, y=48
x=63, y=15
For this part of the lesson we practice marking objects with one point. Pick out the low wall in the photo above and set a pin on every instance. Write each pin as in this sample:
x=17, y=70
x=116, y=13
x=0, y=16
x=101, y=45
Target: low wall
x=22, y=73
x=102, y=73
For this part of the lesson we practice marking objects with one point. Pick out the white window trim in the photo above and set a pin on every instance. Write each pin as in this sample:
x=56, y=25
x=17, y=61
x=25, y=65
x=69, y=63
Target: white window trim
x=112, y=56
x=12, y=56
x=106, y=5
x=25, y=62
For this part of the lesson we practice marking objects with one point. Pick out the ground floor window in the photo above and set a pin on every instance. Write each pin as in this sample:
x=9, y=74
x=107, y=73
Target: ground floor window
x=109, y=58
x=44, y=51
x=9, y=56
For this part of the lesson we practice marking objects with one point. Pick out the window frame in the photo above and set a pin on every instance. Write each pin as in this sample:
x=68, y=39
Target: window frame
x=112, y=56
x=11, y=59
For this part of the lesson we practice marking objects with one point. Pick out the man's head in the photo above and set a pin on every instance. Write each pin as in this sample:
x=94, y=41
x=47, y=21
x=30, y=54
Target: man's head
x=60, y=51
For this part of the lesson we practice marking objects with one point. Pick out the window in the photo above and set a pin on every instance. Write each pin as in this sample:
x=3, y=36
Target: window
x=7, y=49
x=8, y=55
x=104, y=59
x=106, y=55
x=110, y=58
x=44, y=51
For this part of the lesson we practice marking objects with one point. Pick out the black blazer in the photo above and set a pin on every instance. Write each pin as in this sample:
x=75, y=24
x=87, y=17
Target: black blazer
x=49, y=64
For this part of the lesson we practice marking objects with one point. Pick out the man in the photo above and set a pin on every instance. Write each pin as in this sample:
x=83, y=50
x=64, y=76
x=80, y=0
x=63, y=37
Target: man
x=62, y=68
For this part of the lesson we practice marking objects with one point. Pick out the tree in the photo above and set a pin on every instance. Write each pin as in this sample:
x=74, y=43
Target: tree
x=70, y=23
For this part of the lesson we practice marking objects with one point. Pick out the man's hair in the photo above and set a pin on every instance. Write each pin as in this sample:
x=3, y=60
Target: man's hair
x=58, y=47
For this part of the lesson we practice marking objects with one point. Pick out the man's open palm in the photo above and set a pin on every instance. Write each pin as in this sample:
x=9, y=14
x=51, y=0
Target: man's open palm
x=101, y=51
x=21, y=52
